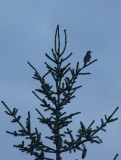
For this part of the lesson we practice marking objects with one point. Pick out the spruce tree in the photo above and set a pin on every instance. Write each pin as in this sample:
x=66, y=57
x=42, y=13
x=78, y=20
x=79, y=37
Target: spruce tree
x=56, y=98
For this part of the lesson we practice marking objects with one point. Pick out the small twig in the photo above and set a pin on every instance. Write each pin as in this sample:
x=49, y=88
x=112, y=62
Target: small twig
x=87, y=65
x=13, y=116
x=116, y=156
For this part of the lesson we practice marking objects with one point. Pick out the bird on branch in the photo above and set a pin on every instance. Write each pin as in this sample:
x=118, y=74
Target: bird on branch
x=87, y=58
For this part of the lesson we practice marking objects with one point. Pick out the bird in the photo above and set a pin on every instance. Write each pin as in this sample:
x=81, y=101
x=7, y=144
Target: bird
x=87, y=58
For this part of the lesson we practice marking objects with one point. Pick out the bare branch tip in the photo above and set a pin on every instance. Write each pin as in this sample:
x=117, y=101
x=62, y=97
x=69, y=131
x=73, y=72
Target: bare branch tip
x=116, y=156
x=28, y=62
x=3, y=102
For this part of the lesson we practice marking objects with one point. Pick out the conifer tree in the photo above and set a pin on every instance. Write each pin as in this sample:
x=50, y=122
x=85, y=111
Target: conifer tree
x=56, y=98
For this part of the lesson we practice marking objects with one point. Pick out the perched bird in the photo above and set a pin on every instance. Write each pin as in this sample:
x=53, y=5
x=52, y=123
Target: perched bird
x=87, y=58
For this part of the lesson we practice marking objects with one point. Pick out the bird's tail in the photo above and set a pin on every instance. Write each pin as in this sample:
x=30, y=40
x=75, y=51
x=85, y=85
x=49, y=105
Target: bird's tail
x=84, y=65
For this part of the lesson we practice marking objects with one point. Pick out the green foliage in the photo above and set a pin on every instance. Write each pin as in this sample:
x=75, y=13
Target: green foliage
x=55, y=101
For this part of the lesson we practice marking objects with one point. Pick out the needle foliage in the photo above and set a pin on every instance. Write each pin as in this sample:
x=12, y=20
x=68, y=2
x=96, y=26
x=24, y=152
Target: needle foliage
x=55, y=99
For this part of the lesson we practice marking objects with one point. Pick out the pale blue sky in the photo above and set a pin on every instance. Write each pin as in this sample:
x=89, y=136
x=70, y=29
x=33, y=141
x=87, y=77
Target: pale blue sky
x=27, y=31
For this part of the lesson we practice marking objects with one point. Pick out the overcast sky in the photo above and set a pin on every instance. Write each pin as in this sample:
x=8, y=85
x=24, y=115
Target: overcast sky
x=27, y=29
